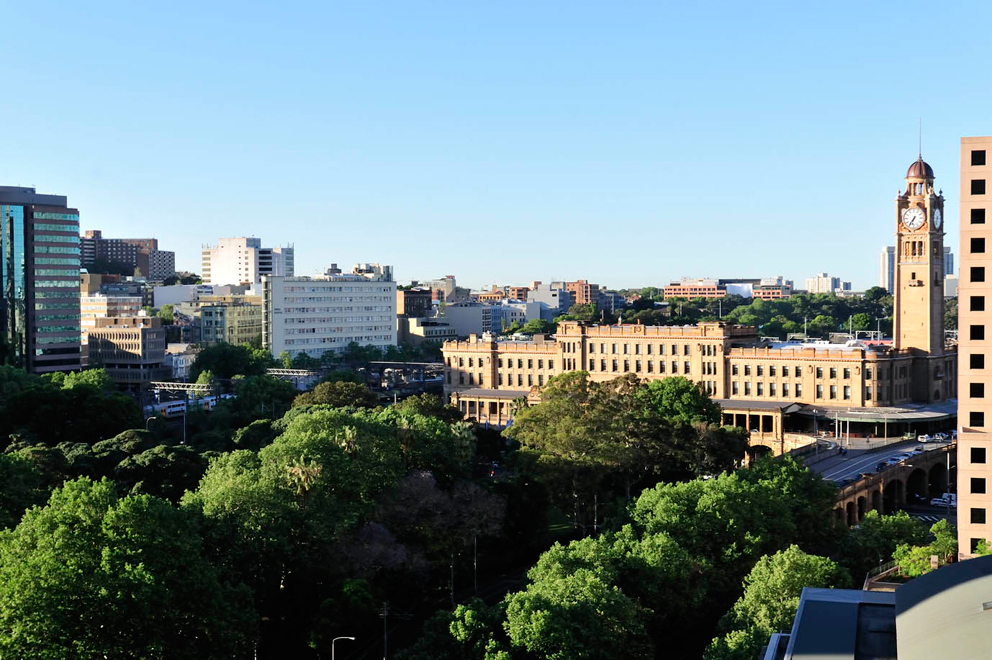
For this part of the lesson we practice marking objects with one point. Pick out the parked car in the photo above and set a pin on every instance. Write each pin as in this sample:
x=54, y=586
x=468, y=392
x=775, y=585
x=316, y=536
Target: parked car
x=919, y=449
x=881, y=466
x=939, y=501
x=950, y=497
x=924, y=438
x=941, y=437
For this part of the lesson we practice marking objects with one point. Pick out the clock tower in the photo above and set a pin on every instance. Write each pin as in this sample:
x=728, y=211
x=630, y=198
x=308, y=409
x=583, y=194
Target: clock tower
x=918, y=315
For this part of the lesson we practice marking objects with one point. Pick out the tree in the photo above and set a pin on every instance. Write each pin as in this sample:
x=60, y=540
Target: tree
x=771, y=596
x=91, y=575
x=537, y=327
x=679, y=399
x=225, y=361
x=951, y=314
x=21, y=487
x=338, y=394
x=577, y=616
x=915, y=560
x=874, y=540
x=167, y=314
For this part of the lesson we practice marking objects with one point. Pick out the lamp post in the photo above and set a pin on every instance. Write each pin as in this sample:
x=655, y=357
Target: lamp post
x=148, y=420
x=336, y=639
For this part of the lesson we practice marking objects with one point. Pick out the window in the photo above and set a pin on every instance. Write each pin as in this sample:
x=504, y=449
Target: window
x=520, y=364
x=833, y=391
x=747, y=369
x=785, y=389
x=819, y=372
x=976, y=418
x=650, y=349
x=976, y=390
x=978, y=485
x=978, y=455
x=833, y=372
x=761, y=389
x=978, y=516
x=747, y=388
x=847, y=374
x=685, y=366
x=530, y=364
x=978, y=216
x=592, y=347
x=626, y=366
x=799, y=389
x=602, y=365
x=733, y=370
x=977, y=332
x=760, y=370
x=978, y=245
x=650, y=367
x=978, y=157
x=540, y=364
x=974, y=545
x=868, y=393
x=978, y=186
x=977, y=361
x=470, y=362
x=771, y=371
x=614, y=365
x=675, y=367
x=626, y=349
x=613, y=349
x=637, y=366
x=978, y=273
x=734, y=387
x=868, y=373
x=530, y=380
x=819, y=391
x=637, y=349
x=799, y=372
x=592, y=365
x=685, y=349
x=847, y=392
x=978, y=303
x=771, y=389
x=520, y=380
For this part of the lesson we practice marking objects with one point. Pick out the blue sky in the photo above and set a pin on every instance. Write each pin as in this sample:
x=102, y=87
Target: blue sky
x=626, y=143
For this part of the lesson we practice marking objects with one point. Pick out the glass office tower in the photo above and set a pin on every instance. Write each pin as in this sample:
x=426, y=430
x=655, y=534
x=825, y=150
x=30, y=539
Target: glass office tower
x=39, y=315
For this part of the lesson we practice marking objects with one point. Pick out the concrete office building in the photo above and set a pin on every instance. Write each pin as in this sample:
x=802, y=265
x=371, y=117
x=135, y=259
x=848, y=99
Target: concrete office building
x=761, y=385
x=555, y=301
x=314, y=315
x=417, y=331
x=243, y=260
x=887, y=268
x=974, y=341
x=92, y=307
x=132, y=253
x=130, y=349
x=824, y=283
x=39, y=274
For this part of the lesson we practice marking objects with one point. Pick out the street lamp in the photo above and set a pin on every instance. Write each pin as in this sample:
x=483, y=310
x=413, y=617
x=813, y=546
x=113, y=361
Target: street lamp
x=336, y=639
x=148, y=420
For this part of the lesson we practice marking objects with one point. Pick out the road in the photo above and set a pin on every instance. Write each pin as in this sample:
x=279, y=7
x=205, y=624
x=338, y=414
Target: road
x=841, y=468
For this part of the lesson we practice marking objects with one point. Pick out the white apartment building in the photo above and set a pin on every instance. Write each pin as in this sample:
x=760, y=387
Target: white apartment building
x=327, y=312
x=243, y=260
x=823, y=283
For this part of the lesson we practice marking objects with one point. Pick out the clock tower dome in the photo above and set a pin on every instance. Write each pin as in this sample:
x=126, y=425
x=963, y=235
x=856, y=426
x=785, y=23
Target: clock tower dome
x=918, y=314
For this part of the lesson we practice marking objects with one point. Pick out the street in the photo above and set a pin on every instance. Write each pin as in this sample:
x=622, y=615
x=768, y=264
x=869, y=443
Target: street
x=841, y=468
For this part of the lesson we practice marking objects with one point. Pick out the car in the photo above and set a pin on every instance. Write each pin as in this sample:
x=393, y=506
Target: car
x=895, y=460
x=865, y=475
x=939, y=501
x=941, y=437
x=919, y=450
x=881, y=466
x=919, y=498
x=924, y=438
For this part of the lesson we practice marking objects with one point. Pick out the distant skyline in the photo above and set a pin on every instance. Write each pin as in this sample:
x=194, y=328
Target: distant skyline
x=628, y=144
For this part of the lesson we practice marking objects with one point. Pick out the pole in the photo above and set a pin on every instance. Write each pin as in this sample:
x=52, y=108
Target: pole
x=385, y=629
x=475, y=564
x=185, y=410
x=336, y=639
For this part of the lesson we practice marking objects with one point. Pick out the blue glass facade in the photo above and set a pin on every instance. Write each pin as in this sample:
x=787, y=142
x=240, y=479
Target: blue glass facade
x=14, y=290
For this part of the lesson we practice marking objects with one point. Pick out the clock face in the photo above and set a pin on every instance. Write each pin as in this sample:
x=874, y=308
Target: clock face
x=937, y=219
x=913, y=218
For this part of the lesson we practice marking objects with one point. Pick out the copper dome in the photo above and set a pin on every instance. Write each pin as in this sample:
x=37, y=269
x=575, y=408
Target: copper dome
x=919, y=170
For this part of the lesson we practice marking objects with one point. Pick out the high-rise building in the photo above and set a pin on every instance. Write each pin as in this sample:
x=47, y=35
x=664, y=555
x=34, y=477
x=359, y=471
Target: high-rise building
x=823, y=283
x=39, y=246
x=887, y=267
x=141, y=254
x=583, y=293
x=314, y=315
x=948, y=261
x=243, y=260
x=974, y=337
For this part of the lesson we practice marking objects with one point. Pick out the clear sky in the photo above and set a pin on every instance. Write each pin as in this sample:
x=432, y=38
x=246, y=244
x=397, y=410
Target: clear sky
x=625, y=143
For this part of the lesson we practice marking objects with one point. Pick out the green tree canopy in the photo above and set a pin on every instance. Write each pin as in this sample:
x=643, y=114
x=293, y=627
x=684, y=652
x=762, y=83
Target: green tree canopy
x=91, y=575
x=338, y=395
x=225, y=361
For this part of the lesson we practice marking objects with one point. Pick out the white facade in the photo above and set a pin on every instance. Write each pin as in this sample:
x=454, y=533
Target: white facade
x=887, y=267
x=823, y=283
x=243, y=260
x=323, y=313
